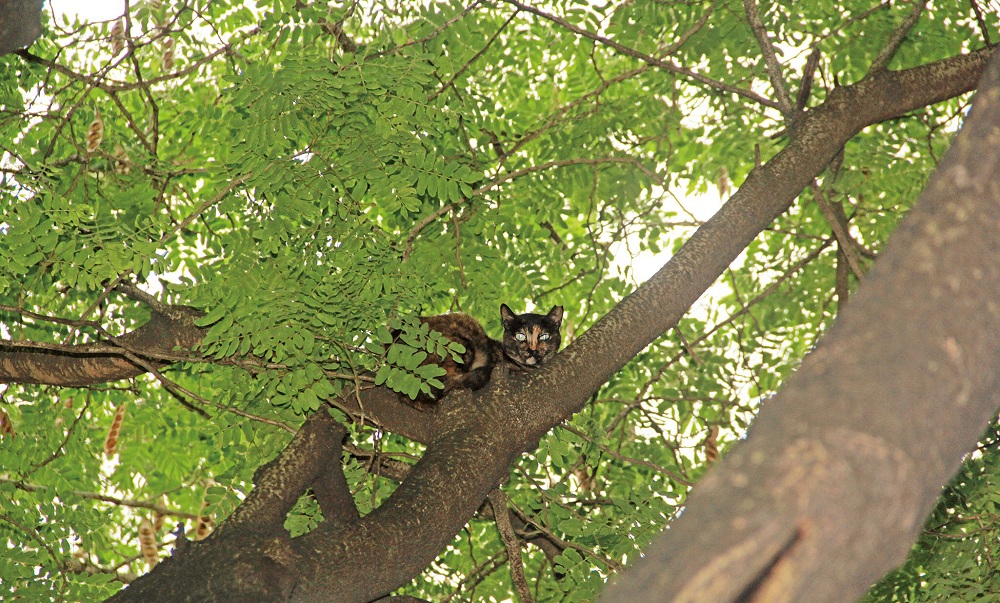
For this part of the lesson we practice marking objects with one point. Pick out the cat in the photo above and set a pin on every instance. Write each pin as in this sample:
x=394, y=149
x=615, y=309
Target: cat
x=529, y=340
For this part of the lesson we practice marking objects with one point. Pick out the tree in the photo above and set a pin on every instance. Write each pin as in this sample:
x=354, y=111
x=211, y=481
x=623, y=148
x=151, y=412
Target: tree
x=213, y=211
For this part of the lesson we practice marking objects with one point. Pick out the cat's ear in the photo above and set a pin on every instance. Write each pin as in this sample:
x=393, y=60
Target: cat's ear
x=555, y=315
x=506, y=315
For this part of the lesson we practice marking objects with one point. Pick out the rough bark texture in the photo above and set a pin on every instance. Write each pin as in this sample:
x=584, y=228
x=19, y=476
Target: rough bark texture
x=842, y=467
x=20, y=23
x=473, y=437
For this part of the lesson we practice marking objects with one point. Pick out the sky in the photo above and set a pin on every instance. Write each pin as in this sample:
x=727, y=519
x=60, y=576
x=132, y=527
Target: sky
x=91, y=10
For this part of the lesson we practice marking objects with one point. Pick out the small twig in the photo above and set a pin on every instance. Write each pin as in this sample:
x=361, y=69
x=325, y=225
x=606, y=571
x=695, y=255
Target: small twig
x=808, y=73
x=498, y=499
x=408, y=246
x=123, y=502
x=131, y=291
x=983, y=28
x=684, y=37
x=554, y=163
x=770, y=59
x=181, y=392
x=431, y=35
x=458, y=250
x=627, y=459
x=474, y=58
x=845, y=243
x=896, y=39
x=97, y=302
x=650, y=60
x=61, y=449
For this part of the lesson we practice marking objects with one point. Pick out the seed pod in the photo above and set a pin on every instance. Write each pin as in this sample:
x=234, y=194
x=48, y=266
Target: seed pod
x=158, y=518
x=121, y=160
x=205, y=521
x=147, y=542
x=712, y=444
x=5, y=425
x=722, y=182
x=117, y=37
x=168, y=54
x=111, y=443
x=205, y=525
x=95, y=134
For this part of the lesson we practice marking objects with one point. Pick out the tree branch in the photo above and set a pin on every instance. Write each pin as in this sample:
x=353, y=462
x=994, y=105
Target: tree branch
x=896, y=39
x=649, y=60
x=845, y=242
x=498, y=500
x=766, y=193
x=770, y=59
x=841, y=468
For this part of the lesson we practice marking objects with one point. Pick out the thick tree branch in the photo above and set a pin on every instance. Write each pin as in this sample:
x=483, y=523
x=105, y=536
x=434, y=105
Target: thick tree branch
x=82, y=365
x=20, y=23
x=279, y=483
x=767, y=192
x=332, y=491
x=402, y=536
x=840, y=469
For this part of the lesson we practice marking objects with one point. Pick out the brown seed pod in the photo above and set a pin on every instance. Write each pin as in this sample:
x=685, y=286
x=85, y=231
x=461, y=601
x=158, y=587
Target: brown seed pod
x=722, y=182
x=206, y=521
x=168, y=54
x=111, y=443
x=95, y=134
x=5, y=425
x=121, y=160
x=205, y=525
x=159, y=518
x=147, y=543
x=117, y=37
x=712, y=444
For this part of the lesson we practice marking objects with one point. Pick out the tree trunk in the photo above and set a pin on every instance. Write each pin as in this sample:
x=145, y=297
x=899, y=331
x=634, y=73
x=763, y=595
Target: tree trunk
x=840, y=470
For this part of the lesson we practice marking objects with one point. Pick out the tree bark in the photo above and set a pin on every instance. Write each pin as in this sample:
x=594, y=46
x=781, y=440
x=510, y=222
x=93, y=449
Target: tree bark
x=20, y=23
x=840, y=470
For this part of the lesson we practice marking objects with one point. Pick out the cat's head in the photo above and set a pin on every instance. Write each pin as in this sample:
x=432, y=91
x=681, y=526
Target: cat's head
x=530, y=340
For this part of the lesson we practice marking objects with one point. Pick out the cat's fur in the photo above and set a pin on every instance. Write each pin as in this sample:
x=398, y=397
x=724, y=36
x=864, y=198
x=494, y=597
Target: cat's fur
x=529, y=340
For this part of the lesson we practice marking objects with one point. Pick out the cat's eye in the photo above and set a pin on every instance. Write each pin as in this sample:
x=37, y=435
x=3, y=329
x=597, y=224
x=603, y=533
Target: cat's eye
x=543, y=337
x=520, y=336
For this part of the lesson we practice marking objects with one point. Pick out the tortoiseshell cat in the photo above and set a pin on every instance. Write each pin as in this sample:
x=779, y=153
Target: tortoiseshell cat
x=529, y=340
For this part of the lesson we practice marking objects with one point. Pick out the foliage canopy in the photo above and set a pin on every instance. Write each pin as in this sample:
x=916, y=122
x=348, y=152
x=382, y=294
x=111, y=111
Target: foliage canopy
x=307, y=174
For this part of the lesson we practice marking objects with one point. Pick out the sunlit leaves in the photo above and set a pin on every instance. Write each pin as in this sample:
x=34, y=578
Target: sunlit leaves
x=312, y=200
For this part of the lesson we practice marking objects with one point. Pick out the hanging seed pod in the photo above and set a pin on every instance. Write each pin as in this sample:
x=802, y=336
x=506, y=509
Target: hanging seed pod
x=95, y=134
x=111, y=443
x=159, y=518
x=5, y=425
x=117, y=37
x=147, y=543
x=722, y=182
x=712, y=444
x=121, y=160
x=168, y=54
x=205, y=524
